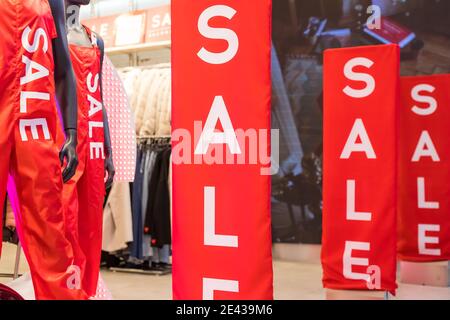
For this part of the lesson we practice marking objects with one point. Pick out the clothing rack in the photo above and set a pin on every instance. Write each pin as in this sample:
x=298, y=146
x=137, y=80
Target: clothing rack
x=144, y=141
x=15, y=273
x=153, y=137
x=154, y=140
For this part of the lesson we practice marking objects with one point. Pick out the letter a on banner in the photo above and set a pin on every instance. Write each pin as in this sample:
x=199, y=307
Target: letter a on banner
x=359, y=188
x=221, y=212
x=424, y=169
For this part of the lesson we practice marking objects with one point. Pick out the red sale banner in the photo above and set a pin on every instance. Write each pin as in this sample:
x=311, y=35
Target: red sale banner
x=221, y=149
x=359, y=188
x=424, y=169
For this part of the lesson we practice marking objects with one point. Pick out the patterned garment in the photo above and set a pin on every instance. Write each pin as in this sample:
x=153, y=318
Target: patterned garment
x=121, y=123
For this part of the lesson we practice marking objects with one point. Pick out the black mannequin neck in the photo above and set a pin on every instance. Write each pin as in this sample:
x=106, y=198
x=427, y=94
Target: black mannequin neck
x=73, y=16
x=76, y=33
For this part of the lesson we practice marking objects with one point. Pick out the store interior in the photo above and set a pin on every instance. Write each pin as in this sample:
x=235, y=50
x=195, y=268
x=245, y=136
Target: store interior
x=137, y=266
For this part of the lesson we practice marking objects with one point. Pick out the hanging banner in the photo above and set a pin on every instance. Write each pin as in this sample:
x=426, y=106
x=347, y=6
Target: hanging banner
x=424, y=170
x=221, y=149
x=359, y=188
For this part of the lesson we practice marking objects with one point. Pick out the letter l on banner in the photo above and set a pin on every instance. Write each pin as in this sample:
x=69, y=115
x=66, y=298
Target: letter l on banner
x=221, y=211
x=359, y=187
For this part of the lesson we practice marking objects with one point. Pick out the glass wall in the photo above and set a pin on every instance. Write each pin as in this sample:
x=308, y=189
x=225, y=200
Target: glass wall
x=302, y=30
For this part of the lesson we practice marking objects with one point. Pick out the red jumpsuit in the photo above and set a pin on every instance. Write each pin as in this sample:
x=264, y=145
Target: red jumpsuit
x=84, y=193
x=29, y=152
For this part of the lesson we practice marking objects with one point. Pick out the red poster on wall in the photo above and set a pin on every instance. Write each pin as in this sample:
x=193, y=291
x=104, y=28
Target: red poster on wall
x=221, y=122
x=424, y=171
x=359, y=190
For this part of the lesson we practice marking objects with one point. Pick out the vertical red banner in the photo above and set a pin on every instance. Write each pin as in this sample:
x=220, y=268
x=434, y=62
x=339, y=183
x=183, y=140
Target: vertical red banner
x=359, y=190
x=424, y=169
x=221, y=127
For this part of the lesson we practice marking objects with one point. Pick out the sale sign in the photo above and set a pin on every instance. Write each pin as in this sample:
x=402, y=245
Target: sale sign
x=221, y=143
x=424, y=169
x=105, y=27
x=359, y=187
x=159, y=24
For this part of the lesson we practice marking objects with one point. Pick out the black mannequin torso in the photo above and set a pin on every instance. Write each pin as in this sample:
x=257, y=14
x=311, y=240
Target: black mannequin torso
x=76, y=33
x=78, y=36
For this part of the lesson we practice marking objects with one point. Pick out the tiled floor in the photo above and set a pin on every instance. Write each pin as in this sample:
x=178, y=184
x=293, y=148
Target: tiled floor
x=291, y=280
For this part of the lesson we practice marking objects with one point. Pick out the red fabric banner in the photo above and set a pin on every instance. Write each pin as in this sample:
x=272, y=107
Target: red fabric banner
x=359, y=190
x=424, y=171
x=221, y=206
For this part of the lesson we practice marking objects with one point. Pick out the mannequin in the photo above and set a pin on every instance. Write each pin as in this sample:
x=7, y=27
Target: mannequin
x=35, y=72
x=84, y=194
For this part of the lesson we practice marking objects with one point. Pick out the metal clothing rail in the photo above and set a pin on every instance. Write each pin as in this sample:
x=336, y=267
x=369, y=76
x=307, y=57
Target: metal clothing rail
x=153, y=137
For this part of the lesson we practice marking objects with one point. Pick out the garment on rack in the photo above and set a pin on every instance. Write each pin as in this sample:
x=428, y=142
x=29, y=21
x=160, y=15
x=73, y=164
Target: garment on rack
x=117, y=218
x=136, y=207
x=149, y=90
x=157, y=216
x=148, y=117
x=83, y=195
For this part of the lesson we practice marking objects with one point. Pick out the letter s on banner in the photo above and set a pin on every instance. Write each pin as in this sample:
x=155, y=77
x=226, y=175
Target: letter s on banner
x=218, y=33
x=359, y=189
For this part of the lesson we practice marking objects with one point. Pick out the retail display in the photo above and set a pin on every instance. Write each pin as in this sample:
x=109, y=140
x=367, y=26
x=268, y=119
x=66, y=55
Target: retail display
x=359, y=183
x=34, y=54
x=149, y=90
x=225, y=216
x=198, y=144
x=424, y=171
x=9, y=223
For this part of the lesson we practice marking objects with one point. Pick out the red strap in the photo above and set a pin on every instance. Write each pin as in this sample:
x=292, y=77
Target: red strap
x=50, y=21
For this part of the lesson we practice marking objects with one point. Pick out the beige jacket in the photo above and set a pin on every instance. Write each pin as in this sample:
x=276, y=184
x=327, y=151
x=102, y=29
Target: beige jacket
x=117, y=218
